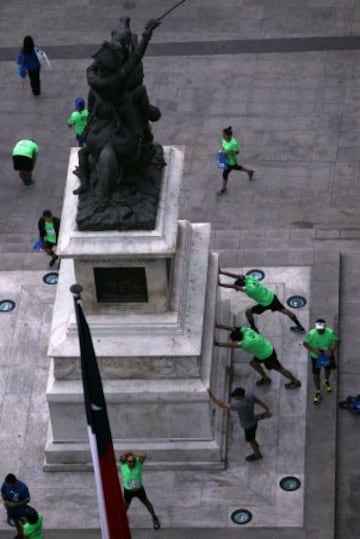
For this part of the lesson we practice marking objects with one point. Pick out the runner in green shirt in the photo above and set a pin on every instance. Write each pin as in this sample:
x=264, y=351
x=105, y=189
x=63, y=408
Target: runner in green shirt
x=262, y=351
x=230, y=148
x=78, y=119
x=321, y=342
x=265, y=299
x=130, y=466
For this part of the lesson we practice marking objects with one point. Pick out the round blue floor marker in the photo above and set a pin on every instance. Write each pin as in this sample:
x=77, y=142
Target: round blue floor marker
x=296, y=302
x=257, y=273
x=290, y=483
x=51, y=278
x=7, y=305
x=241, y=516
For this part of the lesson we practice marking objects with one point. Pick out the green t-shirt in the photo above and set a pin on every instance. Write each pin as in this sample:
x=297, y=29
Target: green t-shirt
x=79, y=120
x=230, y=146
x=50, y=232
x=26, y=148
x=34, y=531
x=322, y=341
x=257, y=291
x=255, y=344
x=132, y=477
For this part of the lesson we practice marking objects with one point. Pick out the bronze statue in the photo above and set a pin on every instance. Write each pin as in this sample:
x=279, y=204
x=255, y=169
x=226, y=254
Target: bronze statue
x=120, y=165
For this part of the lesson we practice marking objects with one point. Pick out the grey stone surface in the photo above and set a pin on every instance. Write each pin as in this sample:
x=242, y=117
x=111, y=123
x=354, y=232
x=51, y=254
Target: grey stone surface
x=184, y=499
x=278, y=104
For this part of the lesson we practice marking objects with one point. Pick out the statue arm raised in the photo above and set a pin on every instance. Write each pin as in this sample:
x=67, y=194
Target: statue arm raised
x=139, y=51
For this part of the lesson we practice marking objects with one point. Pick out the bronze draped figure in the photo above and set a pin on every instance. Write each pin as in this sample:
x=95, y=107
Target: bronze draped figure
x=120, y=166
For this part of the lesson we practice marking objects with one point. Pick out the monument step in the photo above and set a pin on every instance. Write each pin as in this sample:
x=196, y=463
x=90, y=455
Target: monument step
x=166, y=455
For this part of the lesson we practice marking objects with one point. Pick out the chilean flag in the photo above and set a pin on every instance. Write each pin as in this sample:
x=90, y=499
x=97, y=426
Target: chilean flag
x=113, y=519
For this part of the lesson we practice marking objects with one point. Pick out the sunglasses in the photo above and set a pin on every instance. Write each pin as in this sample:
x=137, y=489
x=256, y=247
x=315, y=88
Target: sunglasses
x=130, y=461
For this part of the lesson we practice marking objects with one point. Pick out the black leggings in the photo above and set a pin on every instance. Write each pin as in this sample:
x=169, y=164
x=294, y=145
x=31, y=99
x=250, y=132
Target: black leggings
x=34, y=76
x=229, y=168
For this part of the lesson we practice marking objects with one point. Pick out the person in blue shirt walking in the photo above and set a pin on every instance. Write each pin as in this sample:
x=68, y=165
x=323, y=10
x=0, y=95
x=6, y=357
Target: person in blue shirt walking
x=29, y=62
x=16, y=496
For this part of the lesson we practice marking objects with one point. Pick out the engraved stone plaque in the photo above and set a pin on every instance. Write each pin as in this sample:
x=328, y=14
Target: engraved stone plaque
x=121, y=285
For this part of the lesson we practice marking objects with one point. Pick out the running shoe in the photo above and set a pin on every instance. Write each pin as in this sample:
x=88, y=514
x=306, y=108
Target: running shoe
x=297, y=329
x=251, y=458
x=317, y=398
x=327, y=386
x=293, y=385
x=263, y=382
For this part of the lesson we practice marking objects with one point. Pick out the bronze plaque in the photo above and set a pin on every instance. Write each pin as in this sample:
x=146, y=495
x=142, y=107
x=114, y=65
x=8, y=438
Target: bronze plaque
x=121, y=285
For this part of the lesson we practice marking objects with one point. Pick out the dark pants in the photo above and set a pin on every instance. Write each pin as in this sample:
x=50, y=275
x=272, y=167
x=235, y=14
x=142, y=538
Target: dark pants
x=34, y=76
x=229, y=168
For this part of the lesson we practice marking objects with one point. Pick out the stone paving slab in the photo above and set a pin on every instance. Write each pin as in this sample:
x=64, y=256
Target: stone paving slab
x=59, y=23
x=183, y=499
x=331, y=121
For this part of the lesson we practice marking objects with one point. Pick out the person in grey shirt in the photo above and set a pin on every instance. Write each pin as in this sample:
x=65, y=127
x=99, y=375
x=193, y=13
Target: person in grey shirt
x=244, y=404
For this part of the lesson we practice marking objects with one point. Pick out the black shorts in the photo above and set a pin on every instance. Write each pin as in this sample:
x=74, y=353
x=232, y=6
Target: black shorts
x=136, y=493
x=49, y=245
x=229, y=168
x=270, y=362
x=316, y=370
x=23, y=163
x=250, y=434
x=275, y=305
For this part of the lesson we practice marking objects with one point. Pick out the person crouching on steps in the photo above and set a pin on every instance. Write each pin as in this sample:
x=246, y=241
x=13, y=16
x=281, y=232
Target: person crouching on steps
x=49, y=232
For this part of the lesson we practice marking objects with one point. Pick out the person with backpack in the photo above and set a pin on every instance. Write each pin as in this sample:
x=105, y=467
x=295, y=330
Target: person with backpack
x=321, y=342
x=30, y=64
x=231, y=149
x=49, y=226
x=78, y=119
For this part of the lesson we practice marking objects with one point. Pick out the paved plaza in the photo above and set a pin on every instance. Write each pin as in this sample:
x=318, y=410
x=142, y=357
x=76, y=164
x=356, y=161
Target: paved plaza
x=285, y=74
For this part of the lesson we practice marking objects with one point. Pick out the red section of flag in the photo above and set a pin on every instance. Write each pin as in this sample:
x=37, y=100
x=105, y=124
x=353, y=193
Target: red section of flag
x=113, y=518
x=117, y=519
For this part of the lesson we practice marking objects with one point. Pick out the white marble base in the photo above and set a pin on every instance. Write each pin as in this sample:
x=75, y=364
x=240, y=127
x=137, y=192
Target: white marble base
x=155, y=368
x=157, y=358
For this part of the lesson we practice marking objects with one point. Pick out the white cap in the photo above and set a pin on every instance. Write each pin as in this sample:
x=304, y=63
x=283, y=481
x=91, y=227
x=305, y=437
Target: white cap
x=320, y=324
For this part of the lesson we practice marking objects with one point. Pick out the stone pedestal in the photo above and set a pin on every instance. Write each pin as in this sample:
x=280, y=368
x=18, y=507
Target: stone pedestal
x=150, y=299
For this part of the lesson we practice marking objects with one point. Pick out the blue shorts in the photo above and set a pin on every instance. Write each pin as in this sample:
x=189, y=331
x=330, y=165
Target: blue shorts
x=80, y=139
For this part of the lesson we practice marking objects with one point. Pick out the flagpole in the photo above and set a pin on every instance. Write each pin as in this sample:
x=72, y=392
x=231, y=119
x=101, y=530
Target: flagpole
x=170, y=10
x=112, y=512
